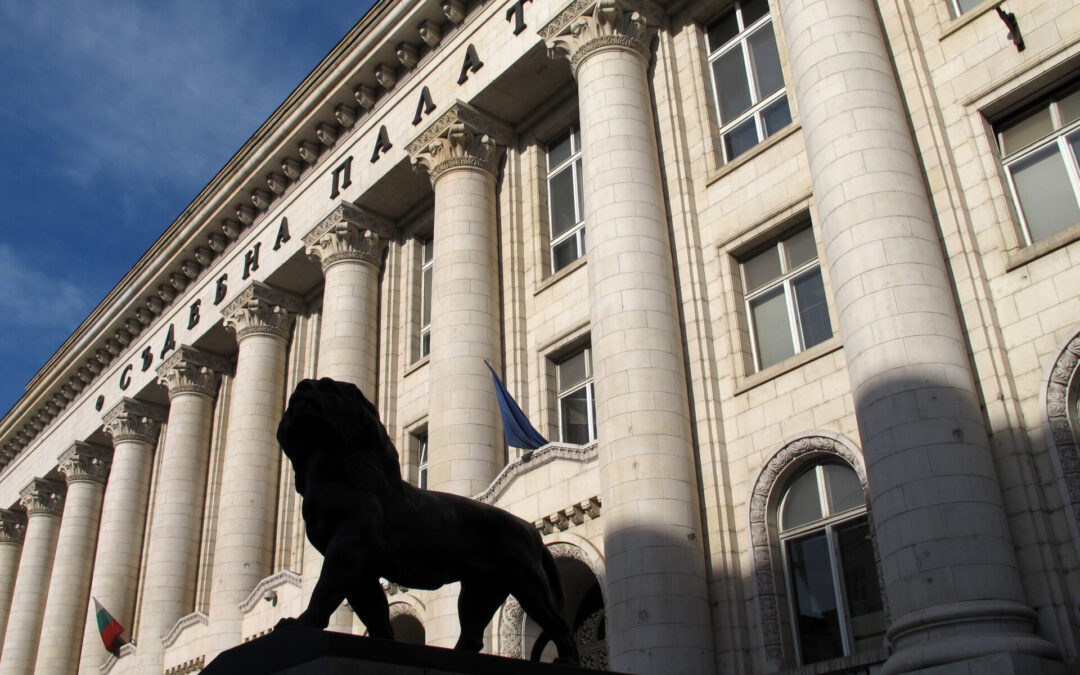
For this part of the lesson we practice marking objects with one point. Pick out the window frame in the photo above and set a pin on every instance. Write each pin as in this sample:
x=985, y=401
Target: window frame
x=572, y=164
x=427, y=258
x=590, y=394
x=419, y=443
x=1058, y=136
x=741, y=41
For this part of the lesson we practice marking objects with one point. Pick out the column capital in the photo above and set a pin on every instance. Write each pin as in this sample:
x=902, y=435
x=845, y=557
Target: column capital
x=43, y=496
x=131, y=420
x=192, y=371
x=349, y=233
x=12, y=526
x=461, y=137
x=261, y=310
x=586, y=26
x=85, y=462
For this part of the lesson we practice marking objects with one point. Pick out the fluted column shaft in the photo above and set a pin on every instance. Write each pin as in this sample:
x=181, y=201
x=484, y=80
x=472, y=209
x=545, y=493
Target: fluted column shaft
x=243, y=551
x=12, y=530
x=86, y=468
x=176, y=525
x=936, y=500
x=44, y=502
x=656, y=599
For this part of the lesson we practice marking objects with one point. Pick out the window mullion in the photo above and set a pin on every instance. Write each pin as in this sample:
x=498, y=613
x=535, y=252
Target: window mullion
x=1071, y=169
x=1024, y=231
x=843, y=615
x=789, y=302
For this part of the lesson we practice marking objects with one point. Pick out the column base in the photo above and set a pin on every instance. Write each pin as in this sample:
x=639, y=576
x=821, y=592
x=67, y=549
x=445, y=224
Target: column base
x=1001, y=664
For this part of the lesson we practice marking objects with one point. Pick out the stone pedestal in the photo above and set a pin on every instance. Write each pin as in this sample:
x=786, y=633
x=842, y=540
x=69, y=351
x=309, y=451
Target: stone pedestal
x=656, y=600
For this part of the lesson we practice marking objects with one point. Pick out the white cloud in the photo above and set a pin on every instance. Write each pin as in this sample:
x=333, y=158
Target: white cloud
x=34, y=298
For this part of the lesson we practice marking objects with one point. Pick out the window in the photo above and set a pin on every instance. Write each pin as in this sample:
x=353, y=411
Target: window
x=420, y=452
x=1040, y=150
x=749, y=84
x=835, y=599
x=566, y=211
x=577, y=405
x=785, y=299
x=961, y=6
x=425, y=298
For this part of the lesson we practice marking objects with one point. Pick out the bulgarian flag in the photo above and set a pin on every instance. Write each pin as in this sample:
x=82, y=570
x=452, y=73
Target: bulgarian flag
x=110, y=629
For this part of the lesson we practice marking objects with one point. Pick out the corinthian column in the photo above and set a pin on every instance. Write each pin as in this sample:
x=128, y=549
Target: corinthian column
x=44, y=502
x=134, y=427
x=12, y=529
x=949, y=568
x=192, y=377
x=656, y=597
x=465, y=444
x=86, y=467
x=262, y=318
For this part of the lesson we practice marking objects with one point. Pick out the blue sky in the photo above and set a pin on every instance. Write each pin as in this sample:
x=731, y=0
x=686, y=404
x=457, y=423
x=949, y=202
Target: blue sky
x=113, y=115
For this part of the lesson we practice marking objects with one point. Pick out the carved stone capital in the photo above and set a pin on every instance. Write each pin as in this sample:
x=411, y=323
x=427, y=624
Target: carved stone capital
x=261, y=310
x=192, y=371
x=42, y=496
x=461, y=137
x=590, y=25
x=131, y=420
x=12, y=526
x=85, y=462
x=349, y=233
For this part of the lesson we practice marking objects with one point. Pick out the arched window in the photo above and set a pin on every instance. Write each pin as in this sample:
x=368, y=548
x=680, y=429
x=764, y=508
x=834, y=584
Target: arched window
x=832, y=581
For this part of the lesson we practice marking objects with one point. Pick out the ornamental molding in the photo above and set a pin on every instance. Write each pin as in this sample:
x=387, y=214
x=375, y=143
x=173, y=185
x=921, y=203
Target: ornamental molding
x=192, y=371
x=127, y=649
x=575, y=514
x=260, y=309
x=534, y=460
x=12, y=527
x=43, y=496
x=460, y=137
x=85, y=462
x=282, y=578
x=1060, y=394
x=131, y=420
x=349, y=233
x=587, y=26
x=182, y=624
x=787, y=460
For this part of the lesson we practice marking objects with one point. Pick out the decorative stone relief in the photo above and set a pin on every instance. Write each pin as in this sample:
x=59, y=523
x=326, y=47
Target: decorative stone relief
x=277, y=183
x=43, y=496
x=789, y=457
x=511, y=629
x=534, y=460
x=131, y=420
x=454, y=10
x=261, y=309
x=386, y=76
x=190, y=370
x=407, y=54
x=588, y=25
x=1061, y=395
x=277, y=580
x=460, y=137
x=183, y=623
x=365, y=96
x=430, y=33
x=85, y=462
x=349, y=233
x=12, y=526
x=345, y=115
x=309, y=152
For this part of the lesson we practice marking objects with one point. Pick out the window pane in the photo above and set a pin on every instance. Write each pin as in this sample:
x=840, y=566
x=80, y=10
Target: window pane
x=580, y=197
x=572, y=371
x=761, y=269
x=814, y=598
x=766, y=62
x=802, y=503
x=771, y=328
x=575, y=417
x=965, y=5
x=842, y=488
x=722, y=29
x=732, y=89
x=559, y=152
x=740, y=139
x=425, y=309
x=425, y=344
x=811, y=309
x=429, y=250
x=562, y=194
x=1069, y=107
x=1046, y=197
x=800, y=248
x=564, y=253
x=754, y=10
x=1026, y=130
x=776, y=116
x=859, y=573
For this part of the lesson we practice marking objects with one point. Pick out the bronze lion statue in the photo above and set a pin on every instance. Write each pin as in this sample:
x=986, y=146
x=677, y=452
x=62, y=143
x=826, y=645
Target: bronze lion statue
x=369, y=523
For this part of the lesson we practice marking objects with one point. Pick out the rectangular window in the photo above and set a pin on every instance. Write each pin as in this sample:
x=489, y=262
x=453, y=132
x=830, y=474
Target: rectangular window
x=420, y=452
x=961, y=6
x=1040, y=150
x=425, y=298
x=751, y=100
x=577, y=404
x=785, y=299
x=566, y=210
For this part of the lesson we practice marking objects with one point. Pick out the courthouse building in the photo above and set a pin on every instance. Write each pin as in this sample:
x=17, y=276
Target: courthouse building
x=793, y=287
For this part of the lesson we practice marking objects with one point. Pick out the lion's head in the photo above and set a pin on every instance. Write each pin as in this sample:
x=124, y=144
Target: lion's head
x=330, y=416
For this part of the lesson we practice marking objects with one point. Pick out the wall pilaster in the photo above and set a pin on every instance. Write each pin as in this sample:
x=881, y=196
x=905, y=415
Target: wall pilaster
x=12, y=531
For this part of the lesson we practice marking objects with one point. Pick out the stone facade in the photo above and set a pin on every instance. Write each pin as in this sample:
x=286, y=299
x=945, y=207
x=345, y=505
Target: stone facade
x=776, y=280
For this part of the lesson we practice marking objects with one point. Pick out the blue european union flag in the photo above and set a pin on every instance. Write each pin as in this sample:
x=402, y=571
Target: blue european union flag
x=516, y=427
